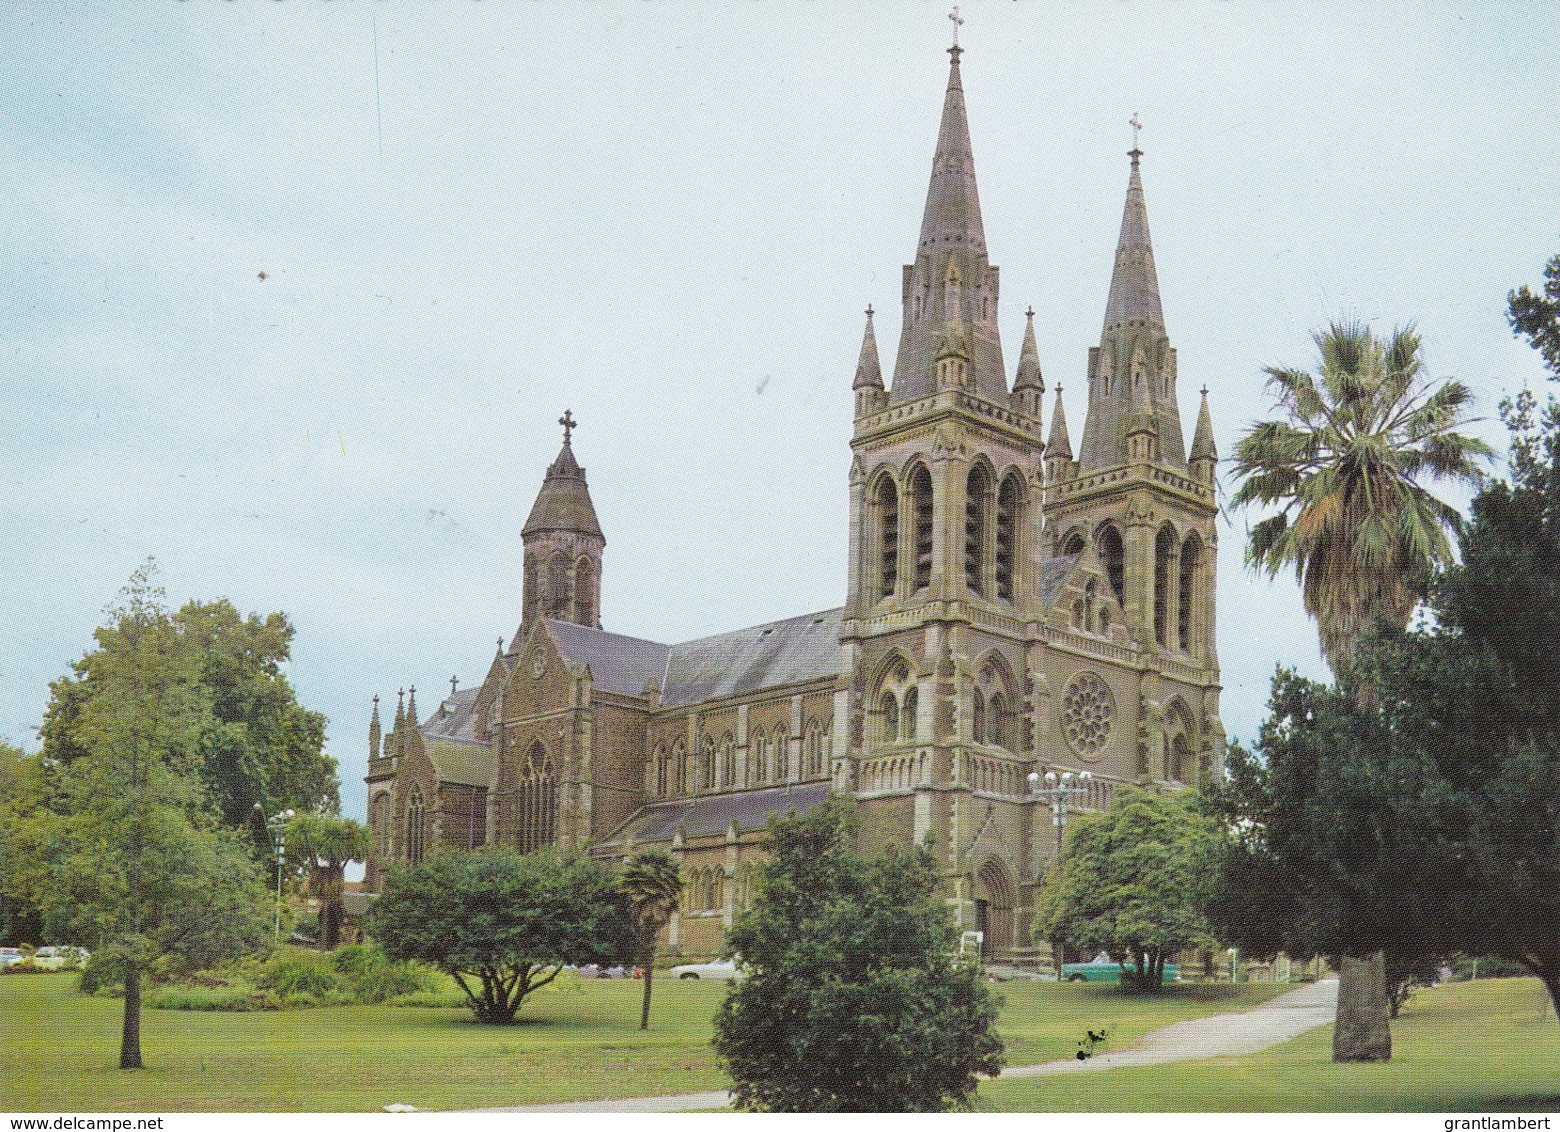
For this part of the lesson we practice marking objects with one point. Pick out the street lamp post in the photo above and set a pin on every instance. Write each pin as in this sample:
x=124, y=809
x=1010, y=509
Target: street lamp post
x=276, y=826
x=1056, y=791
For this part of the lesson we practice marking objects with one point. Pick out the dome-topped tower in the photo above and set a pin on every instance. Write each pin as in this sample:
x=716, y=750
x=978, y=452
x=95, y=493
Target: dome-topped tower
x=563, y=544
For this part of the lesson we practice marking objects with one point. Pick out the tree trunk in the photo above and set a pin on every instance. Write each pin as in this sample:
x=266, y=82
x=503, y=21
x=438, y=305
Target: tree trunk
x=1362, y=1030
x=1552, y=985
x=644, y=1010
x=130, y=1037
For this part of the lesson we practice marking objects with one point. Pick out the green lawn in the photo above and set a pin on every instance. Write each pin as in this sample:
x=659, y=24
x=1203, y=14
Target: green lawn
x=1488, y=1046
x=577, y=1042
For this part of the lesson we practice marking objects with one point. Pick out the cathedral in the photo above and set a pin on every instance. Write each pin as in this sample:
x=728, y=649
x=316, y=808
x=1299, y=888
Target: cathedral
x=1012, y=608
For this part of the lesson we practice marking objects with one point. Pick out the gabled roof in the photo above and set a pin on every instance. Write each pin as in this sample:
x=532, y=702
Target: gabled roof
x=714, y=813
x=617, y=663
x=1052, y=574
x=454, y=718
x=792, y=651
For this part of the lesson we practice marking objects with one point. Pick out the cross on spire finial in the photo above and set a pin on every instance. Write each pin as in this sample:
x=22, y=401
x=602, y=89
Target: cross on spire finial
x=869, y=312
x=569, y=424
x=957, y=21
x=454, y=680
x=1137, y=126
x=1030, y=313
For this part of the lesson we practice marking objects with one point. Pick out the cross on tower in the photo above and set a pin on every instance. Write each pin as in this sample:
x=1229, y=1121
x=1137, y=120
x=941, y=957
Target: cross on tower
x=1136, y=126
x=569, y=424
x=957, y=20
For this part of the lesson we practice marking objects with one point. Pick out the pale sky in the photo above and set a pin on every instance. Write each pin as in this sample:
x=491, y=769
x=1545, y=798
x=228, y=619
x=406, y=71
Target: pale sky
x=668, y=217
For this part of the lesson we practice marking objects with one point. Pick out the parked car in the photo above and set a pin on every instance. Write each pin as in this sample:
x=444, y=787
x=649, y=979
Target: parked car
x=596, y=971
x=1103, y=969
x=716, y=969
x=60, y=958
x=9, y=955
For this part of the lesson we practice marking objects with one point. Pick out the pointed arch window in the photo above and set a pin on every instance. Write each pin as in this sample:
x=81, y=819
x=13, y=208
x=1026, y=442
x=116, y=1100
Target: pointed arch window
x=996, y=720
x=555, y=600
x=890, y=707
x=977, y=518
x=814, y=751
x=1072, y=544
x=537, y=800
x=758, y=758
x=416, y=826
x=978, y=730
x=680, y=766
x=1009, y=509
x=886, y=504
x=584, y=592
x=1187, y=621
x=782, y=755
x=1114, y=557
x=728, y=761
x=1164, y=554
x=707, y=763
x=379, y=826
x=921, y=519
x=908, y=714
x=663, y=772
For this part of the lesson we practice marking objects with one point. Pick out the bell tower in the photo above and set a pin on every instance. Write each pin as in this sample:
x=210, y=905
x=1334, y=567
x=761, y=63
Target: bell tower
x=563, y=545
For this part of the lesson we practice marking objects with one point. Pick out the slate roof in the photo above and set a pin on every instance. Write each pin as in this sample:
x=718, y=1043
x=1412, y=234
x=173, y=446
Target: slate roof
x=774, y=655
x=450, y=740
x=792, y=651
x=617, y=663
x=714, y=813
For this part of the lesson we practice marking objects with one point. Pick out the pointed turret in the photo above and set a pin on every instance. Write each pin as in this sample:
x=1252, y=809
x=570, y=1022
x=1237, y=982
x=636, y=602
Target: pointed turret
x=1058, y=450
x=1134, y=351
x=563, y=544
x=411, y=708
x=951, y=284
x=1204, y=455
x=869, y=374
x=373, y=731
x=1028, y=382
x=400, y=709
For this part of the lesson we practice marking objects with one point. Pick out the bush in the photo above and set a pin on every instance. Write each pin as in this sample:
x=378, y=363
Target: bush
x=373, y=978
x=292, y=971
x=237, y=997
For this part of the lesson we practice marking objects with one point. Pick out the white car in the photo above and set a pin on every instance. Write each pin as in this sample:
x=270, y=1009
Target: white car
x=716, y=969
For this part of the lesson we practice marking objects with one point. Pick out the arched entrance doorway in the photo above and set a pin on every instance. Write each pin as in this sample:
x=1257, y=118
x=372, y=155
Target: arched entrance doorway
x=994, y=899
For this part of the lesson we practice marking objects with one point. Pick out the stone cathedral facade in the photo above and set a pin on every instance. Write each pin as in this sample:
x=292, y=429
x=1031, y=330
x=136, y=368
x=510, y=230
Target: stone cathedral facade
x=1011, y=607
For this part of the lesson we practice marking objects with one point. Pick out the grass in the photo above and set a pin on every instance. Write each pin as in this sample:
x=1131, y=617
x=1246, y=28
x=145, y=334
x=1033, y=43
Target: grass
x=577, y=1041
x=1487, y=1046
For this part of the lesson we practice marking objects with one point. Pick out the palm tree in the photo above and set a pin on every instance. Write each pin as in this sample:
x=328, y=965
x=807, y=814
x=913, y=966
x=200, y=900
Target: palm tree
x=652, y=883
x=1363, y=535
x=325, y=843
x=1344, y=469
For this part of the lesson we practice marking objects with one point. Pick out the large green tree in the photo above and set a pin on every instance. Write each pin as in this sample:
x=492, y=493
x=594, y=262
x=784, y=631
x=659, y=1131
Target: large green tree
x=1537, y=317
x=1343, y=474
x=855, y=999
x=1473, y=701
x=651, y=881
x=323, y=844
x=256, y=743
x=503, y=924
x=24, y=791
x=1131, y=884
x=134, y=861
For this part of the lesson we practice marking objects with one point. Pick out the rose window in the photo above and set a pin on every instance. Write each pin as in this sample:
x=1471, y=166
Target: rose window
x=1087, y=711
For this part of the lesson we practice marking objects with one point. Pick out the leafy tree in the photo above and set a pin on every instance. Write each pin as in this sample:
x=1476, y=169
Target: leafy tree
x=1473, y=701
x=1344, y=469
x=1130, y=884
x=1325, y=845
x=855, y=999
x=24, y=789
x=1537, y=317
x=323, y=844
x=256, y=743
x=503, y=924
x=651, y=881
x=135, y=863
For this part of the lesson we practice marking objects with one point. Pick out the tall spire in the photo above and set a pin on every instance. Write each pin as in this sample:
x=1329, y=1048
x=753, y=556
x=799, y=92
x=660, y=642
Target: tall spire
x=374, y=731
x=951, y=287
x=411, y=707
x=1132, y=371
x=1028, y=375
x=1203, y=455
x=1060, y=444
x=869, y=374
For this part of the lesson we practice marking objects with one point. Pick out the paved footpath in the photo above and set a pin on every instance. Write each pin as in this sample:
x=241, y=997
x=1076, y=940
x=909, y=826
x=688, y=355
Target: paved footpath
x=1217, y=1035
